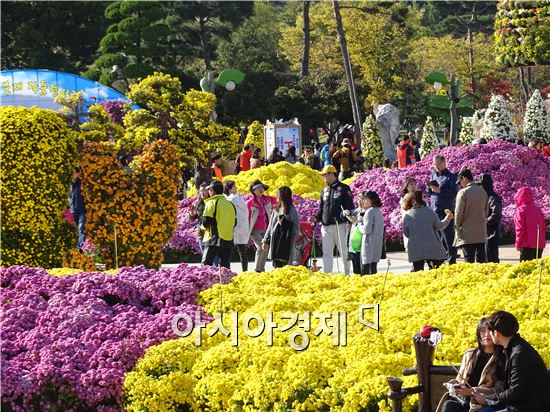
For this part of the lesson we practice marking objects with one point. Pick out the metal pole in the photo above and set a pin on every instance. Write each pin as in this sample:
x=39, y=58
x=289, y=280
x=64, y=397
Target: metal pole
x=116, y=249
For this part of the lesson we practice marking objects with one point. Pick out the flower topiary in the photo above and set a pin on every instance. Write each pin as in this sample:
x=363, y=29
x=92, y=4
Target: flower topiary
x=497, y=123
x=256, y=136
x=522, y=32
x=38, y=160
x=536, y=122
x=429, y=139
x=467, y=131
x=139, y=202
x=371, y=143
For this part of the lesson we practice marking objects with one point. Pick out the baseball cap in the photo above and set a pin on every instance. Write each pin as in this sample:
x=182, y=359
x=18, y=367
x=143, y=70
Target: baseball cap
x=328, y=169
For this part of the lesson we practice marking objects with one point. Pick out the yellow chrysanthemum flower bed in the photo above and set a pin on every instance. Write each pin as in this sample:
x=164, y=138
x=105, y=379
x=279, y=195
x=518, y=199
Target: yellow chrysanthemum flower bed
x=38, y=160
x=303, y=180
x=176, y=374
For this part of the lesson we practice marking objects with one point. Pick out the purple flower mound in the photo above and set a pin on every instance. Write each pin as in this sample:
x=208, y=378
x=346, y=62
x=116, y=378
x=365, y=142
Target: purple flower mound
x=185, y=238
x=511, y=167
x=68, y=341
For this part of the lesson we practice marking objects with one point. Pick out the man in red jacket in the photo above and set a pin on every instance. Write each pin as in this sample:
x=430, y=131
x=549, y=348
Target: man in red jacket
x=530, y=226
x=405, y=153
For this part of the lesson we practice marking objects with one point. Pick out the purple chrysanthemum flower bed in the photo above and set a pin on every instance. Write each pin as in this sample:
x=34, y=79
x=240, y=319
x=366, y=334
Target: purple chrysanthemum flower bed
x=68, y=341
x=511, y=167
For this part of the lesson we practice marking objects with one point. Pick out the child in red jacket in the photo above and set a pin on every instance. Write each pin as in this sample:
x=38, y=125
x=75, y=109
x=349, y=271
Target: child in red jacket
x=530, y=226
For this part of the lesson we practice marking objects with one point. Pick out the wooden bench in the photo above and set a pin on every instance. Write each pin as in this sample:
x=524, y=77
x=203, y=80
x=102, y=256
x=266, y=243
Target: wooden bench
x=430, y=387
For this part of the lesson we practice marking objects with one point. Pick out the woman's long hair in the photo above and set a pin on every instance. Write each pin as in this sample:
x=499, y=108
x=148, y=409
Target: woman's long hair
x=284, y=194
x=413, y=199
x=408, y=181
x=500, y=359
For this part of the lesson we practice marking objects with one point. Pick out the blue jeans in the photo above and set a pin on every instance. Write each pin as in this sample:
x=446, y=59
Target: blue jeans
x=80, y=220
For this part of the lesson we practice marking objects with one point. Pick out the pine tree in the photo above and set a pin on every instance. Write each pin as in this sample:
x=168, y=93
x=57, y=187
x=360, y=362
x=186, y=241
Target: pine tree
x=467, y=131
x=536, y=122
x=429, y=139
x=497, y=123
x=371, y=143
x=255, y=136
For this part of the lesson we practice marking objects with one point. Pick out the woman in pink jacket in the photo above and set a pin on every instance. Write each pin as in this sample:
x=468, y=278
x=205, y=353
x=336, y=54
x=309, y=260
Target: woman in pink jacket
x=530, y=226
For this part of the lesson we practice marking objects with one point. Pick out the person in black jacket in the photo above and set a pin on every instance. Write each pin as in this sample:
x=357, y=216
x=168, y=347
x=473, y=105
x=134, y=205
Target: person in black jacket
x=526, y=386
x=77, y=207
x=443, y=190
x=494, y=219
x=336, y=198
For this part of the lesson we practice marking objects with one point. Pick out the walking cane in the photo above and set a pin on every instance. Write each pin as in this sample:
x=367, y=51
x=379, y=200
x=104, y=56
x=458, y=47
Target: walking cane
x=338, y=246
x=314, y=267
x=536, y=308
x=340, y=242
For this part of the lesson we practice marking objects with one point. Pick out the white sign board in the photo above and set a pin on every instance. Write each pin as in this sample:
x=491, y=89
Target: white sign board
x=282, y=137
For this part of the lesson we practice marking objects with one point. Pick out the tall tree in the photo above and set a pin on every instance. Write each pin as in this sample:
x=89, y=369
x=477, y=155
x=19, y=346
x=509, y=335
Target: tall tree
x=51, y=35
x=203, y=23
x=134, y=46
x=305, y=55
x=254, y=45
x=349, y=71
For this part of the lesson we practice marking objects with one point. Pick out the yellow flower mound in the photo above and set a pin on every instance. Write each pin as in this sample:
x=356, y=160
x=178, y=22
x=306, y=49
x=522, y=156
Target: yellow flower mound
x=38, y=160
x=256, y=136
x=254, y=376
x=61, y=272
x=303, y=180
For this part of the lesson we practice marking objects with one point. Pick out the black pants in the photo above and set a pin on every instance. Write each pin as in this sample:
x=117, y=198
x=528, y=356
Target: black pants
x=241, y=250
x=452, y=405
x=224, y=253
x=474, y=252
x=529, y=253
x=492, y=249
x=355, y=258
x=448, y=238
x=279, y=263
x=419, y=264
x=369, y=268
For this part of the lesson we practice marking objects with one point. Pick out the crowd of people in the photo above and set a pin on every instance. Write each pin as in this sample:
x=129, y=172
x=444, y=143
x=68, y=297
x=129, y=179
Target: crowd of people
x=457, y=211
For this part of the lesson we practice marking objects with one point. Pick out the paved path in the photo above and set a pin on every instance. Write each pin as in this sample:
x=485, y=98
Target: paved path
x=399, y=260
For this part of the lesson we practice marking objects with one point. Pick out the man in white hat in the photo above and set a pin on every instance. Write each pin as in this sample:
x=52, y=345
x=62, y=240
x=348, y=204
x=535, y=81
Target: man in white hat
x=336, y=198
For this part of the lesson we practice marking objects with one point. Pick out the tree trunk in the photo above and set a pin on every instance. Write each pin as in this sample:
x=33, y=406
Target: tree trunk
x=473, y=80
x=349, y=72
x=470, y=39
x=204, y=43
x=524, y=85
x=454, y=115
x=305, y=56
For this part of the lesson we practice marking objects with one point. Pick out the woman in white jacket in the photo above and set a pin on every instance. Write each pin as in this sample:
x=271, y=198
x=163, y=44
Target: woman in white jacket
x=241, y=233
